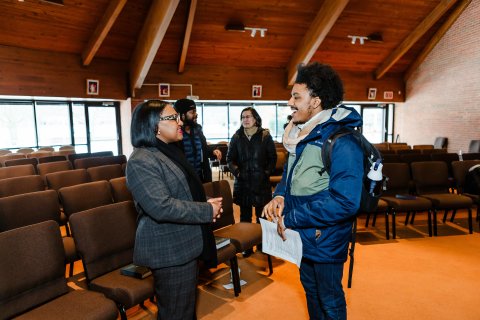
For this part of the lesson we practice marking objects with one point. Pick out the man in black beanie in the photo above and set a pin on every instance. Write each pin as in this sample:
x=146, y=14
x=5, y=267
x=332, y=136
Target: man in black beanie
x=194, y=143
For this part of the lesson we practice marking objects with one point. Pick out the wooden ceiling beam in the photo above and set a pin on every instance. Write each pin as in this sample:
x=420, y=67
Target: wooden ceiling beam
x=102, y=29
x=413, y=37
x=186, y=38
x=320, y=27
x=151, y=36
x=437, y=37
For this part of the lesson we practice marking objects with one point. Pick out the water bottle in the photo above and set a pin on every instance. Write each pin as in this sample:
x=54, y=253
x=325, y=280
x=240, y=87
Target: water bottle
x=460, y=157
x=375, y=175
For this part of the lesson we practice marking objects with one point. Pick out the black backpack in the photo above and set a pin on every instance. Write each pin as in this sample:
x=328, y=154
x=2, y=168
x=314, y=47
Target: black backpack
x=371, y=189
x=472, y=180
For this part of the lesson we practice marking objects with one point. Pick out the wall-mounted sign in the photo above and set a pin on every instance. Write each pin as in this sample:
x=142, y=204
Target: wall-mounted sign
x=164, y=89
x=372, y=93
x=388, y=95
x=256, y=91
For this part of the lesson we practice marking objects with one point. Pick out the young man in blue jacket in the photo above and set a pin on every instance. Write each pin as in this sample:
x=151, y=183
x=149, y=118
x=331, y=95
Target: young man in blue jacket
x=320, y=206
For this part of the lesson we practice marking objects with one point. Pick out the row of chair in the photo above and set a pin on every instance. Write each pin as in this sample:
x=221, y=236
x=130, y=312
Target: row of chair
x=40, y=149
x=24, y=179
x=104, y=237
x=431, y=192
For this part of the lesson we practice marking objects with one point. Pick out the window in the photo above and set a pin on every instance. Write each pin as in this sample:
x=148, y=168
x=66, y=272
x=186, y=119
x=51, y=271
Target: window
x=90, y=127
x=53, y=124
x=17, y=125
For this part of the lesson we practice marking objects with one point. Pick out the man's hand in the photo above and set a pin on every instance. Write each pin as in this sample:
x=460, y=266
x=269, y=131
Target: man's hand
x=281, y=228
x=218, y=154
x=274, y=209
x=217, y=207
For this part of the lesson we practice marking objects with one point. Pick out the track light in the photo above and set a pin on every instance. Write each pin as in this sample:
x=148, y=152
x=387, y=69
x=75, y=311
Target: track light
x=238, y=27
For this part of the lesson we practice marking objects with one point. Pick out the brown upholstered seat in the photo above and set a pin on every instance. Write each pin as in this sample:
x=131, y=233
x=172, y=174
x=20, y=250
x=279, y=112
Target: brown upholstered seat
x=105, y=239
x=52, y=158
x=460, y=169
x=60, y=179
x=17, y=171
x=105, y=172
x=33, y=284
x=85, y=196
x=119, y=189
x=243, y=235
x=96, y=161
x=19, y=185
x=282, y=157
x=398, y=183
x=49, y=167
x=10, y=156
x=431, y=182
x=34, y=207
x=21, y=161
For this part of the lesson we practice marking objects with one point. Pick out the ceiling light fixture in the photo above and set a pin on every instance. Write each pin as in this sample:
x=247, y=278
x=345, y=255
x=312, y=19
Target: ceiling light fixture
x=239, y=27
x=374, y=37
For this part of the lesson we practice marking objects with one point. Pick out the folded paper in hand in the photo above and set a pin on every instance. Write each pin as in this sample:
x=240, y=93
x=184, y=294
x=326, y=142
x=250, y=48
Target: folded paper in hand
x=273, y=244
x=221, y=242
x=135, y=271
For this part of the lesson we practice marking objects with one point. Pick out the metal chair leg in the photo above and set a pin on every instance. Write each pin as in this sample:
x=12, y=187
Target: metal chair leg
x=387, y=231
x=454, y=212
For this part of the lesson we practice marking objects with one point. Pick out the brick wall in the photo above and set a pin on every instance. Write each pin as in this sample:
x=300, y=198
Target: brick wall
x=443, y=95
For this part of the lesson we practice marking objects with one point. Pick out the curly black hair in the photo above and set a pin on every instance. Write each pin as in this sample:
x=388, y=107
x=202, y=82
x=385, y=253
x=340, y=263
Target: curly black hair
x=323, y=82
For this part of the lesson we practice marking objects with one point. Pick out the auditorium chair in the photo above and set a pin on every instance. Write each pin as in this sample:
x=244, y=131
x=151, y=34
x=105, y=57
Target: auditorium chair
x=398, y=198
x=17, y=171
x=460, y=169
x=60, y=179
x=431, y=182
x=34, y=207
x=119, y=189
x=85, y=163
x=33, y=284
x=84, y=196
x=19, y=185
x=243, y=235
x=105, y=238
x=105, y=172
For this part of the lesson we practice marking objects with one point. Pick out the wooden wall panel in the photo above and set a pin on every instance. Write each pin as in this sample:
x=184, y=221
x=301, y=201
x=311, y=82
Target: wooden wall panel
x=235, y=83
x=40, y=73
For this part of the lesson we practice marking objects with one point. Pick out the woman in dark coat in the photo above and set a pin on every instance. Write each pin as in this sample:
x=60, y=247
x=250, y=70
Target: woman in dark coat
x=251, y=158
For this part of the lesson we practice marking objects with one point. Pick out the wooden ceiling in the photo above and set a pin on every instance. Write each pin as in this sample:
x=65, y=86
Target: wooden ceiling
x=190, y=33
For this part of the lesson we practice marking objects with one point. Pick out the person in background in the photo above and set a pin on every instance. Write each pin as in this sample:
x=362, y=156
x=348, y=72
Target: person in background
x=251, y=158
x=174, y=217
x=194, y=143
x=320, y=206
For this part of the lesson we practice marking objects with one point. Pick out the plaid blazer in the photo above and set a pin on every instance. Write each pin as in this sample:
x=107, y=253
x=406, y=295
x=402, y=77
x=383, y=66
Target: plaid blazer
x=168, y=230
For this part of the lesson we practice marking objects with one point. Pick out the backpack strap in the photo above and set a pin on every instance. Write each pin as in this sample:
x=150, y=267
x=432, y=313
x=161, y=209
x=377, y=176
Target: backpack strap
x=328, y=146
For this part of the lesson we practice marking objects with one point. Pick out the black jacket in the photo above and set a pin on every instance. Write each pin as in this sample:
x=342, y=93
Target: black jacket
x=251, y=162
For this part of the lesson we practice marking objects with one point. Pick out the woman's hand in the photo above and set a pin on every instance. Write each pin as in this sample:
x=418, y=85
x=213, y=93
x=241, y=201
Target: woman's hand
x=217, y=207
x=218, y=154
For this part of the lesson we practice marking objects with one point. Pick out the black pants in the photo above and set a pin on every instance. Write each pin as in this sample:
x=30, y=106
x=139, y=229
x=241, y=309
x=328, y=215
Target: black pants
x=175, y=289
x=246, y=213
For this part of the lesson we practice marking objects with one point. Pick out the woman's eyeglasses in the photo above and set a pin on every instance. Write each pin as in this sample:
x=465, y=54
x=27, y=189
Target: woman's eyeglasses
x=175, y=117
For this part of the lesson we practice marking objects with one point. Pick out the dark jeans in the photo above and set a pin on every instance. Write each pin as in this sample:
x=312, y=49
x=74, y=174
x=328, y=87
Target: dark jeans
x=323, y=286
x=175, y=289
x=246, y=213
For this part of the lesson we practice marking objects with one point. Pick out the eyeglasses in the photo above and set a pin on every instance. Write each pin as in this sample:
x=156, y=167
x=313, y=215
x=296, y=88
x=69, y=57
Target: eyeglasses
x=175, y=117
x=247, y=117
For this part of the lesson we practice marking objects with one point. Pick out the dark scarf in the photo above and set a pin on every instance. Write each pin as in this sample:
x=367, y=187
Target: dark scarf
x=209, y=252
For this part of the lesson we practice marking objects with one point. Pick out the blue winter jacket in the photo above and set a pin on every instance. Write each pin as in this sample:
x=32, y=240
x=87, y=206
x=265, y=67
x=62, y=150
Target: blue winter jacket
x=320, y=206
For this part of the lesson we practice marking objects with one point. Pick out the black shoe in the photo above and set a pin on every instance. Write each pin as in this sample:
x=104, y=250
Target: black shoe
x=247, y=253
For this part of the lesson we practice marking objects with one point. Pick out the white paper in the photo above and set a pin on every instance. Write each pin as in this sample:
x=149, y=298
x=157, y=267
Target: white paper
x=273, y=244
